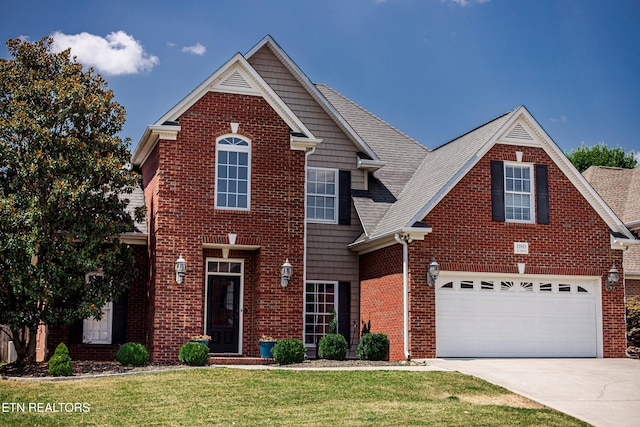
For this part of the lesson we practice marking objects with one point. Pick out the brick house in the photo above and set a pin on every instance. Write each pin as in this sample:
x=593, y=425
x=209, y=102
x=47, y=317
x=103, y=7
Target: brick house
x=620, y=187
x=258, y=166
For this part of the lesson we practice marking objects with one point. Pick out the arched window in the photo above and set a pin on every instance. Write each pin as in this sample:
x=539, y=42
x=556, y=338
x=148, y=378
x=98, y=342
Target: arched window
x=233, y=173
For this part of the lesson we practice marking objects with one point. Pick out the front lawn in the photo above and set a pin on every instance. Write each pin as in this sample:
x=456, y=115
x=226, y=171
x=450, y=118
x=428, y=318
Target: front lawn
x=224, y=396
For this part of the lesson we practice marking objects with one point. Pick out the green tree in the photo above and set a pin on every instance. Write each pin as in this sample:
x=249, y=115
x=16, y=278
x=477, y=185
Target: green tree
x=62, y=169
x=601, y=155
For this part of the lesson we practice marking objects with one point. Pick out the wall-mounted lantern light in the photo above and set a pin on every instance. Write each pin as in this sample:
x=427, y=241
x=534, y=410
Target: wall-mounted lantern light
x=285, y=273
x=181, y=269
x=433, y=272
x=612, y=278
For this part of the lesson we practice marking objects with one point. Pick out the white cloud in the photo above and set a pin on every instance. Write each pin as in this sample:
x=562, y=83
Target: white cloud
x=464, y=3
x=116, y=54
x=196, y=49
x=562, y=119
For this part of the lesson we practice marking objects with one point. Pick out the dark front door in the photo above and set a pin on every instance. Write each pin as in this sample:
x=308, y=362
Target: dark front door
x=223, y=313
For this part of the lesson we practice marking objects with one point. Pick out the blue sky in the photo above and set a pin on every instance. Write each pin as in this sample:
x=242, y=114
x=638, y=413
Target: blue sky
x=435, y=69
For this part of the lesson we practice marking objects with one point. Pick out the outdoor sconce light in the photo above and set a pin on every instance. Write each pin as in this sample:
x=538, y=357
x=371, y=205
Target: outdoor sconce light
x=285, y=273
x=433, y=272
x=612, y=278
x=181, y=269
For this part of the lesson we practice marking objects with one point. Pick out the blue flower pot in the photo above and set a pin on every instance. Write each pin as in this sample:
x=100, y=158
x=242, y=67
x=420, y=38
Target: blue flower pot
x=265, y=349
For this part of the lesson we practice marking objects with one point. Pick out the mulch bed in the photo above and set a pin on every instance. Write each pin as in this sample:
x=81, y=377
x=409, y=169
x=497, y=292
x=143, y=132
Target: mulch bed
x=89, y=367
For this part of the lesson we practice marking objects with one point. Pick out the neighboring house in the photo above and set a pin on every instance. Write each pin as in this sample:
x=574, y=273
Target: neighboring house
x=620, y=188
x=258, y=166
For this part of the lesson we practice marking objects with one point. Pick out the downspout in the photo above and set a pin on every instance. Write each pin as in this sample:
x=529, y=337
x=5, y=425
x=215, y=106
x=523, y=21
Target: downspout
x=307, y=153
x=404, y=240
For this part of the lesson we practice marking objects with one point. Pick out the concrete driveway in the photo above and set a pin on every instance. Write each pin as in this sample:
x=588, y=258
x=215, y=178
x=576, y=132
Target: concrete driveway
x=602, y=392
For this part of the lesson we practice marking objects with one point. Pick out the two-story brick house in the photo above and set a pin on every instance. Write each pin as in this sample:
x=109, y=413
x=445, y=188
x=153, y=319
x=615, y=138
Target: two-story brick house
x=258, y=166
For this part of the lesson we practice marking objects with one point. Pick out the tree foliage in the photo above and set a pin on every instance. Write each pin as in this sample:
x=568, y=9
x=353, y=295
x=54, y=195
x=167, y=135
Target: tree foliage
x=62, y=169
x=601, y=155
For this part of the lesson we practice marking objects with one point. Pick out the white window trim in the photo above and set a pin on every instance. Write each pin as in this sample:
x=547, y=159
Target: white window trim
x=304, y=309
x=336, y=196
x=236, y=149
x=532, y=200
x=240, y=300
x=107, y=315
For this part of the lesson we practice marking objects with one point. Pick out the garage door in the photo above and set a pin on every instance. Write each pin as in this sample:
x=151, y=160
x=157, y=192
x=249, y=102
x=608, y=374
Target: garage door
x=488, y=316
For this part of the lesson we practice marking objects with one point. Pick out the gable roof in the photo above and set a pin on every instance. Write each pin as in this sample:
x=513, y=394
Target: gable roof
x=302, y=78
x=445, y=166
x=235, y=76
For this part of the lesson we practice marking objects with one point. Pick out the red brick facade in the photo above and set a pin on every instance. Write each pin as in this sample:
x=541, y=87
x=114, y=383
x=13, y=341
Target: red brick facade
x=632, y=287
x=183, y=218
x=465, y=238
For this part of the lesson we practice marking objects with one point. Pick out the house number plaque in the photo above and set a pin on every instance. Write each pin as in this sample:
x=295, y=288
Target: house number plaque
x=521, y=248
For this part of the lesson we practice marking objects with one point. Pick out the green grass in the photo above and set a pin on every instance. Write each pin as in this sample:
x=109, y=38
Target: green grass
x=239, y=397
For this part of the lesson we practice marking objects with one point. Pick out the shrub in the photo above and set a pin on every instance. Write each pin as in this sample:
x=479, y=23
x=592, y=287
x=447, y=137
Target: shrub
x=132, y=353
x=366, y=328
x=332, y=347
x=60, y=362
x=373, y=347
x=633, y=321
x=194, y=354
x=288, y=351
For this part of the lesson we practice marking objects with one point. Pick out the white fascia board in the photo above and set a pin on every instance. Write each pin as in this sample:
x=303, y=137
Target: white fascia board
x=303, y=144
x=576, y=178
x=314, y=92
x=388, y=239
x=370, y=165
x=134, y=238
x=150, y=138
x=621, y=243
x=633, y=225
x=262, y=89
x=553, y=151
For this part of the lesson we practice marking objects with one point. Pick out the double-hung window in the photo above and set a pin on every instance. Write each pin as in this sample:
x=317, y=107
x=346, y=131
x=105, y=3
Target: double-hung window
x=96, y=331
x=233, y=173
x=319, y=306
x=518, y=193
x=322, y=194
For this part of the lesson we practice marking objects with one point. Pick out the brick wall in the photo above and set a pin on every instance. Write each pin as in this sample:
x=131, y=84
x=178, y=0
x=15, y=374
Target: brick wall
x=185, y=217
x=381, y=296
x=465, y=238
x=632, y=287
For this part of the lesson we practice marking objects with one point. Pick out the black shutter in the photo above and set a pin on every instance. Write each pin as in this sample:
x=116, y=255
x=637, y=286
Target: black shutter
x=344, y=198
x=75, y=332
x=542, y=194
x=344, y=310
x=119, y=320
x=497, y=190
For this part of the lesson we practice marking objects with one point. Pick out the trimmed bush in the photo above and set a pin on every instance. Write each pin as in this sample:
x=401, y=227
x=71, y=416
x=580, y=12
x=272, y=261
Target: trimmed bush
x=332, y=347
x=633, y=321
x=60, y=362
x=194, y=354
x=373, y=347
x=288, y=351
x=132, y=354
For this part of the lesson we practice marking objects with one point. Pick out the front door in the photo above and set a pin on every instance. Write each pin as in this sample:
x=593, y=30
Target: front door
x=223, y=313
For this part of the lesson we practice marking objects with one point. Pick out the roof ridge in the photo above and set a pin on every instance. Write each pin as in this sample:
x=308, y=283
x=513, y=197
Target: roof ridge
x=375, y=116
x=478, y=127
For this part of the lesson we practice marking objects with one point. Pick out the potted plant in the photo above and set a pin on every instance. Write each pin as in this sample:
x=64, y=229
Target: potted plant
x=202, y=339
x=266, y=346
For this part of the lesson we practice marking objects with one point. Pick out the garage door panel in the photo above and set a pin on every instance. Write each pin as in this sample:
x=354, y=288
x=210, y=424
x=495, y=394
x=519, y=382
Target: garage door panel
x=516, y=318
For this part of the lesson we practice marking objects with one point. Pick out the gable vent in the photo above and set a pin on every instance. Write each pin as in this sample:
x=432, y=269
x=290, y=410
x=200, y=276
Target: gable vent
x=236, y=80
x=519, y=132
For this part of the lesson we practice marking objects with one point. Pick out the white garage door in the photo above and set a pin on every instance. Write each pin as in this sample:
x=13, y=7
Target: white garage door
x=520, y=316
